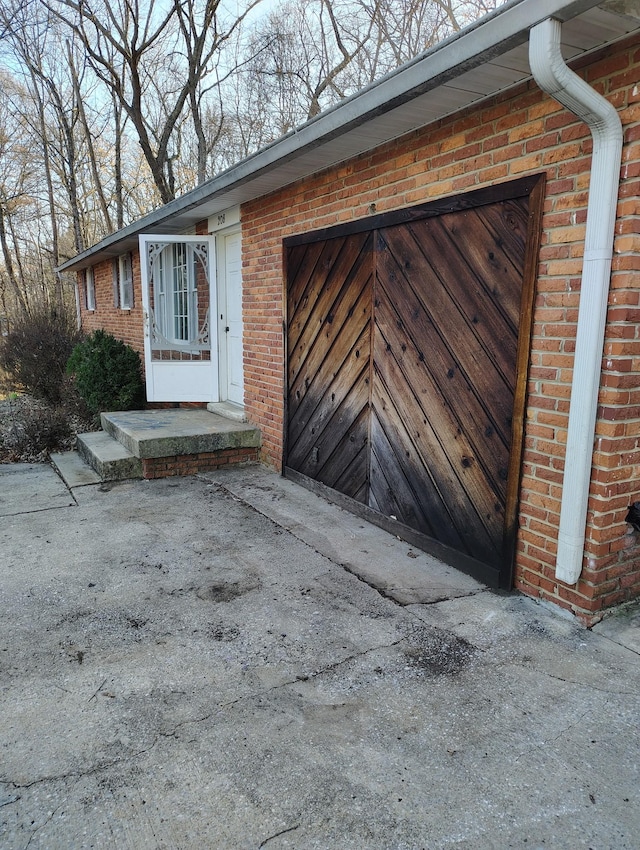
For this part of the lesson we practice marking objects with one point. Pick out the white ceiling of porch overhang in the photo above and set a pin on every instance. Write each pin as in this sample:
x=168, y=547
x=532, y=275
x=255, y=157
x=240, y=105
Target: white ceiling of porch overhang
x=488, y=58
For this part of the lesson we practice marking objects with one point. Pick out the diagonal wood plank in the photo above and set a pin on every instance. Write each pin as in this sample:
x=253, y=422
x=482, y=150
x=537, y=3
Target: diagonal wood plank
x=416, y=341
x=343, y=312
x=440, y=332
x=474, y=487
x=332, y=274
x=497, y=257
x=481, y=313
x=439, y=462
x=329, y=392
x=403, y=365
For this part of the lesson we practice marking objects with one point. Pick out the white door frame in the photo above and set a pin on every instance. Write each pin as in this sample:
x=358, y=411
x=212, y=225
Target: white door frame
x=176, y=380
x=223, y=319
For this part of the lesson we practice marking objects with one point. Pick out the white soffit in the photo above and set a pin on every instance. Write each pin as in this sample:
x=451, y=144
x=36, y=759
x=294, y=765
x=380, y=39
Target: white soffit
x=584, y=34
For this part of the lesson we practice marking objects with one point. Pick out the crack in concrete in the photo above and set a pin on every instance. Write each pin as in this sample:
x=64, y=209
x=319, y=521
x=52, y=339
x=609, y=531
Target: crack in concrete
x=278, y=834
x=82, y=774
x=41, y=510
x=9, y=799
x=299, y=678
x=388, y=594
x=106, y=765
x=617, y=643
x=383, y=592
x=588, y=685
x=548, y=742
x=48, y=819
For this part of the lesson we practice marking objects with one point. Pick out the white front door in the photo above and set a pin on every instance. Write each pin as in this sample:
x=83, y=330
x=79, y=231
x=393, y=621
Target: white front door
x=179, y=301
x=232, y=373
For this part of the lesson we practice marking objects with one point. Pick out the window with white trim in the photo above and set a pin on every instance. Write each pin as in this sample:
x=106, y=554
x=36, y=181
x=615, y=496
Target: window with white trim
x=125, y=281
x=176, y=294
x=90, y=289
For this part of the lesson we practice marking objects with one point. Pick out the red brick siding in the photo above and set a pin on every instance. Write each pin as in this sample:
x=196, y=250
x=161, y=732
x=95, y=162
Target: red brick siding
x=124, y=324
x=522, y=132
x=166, y=467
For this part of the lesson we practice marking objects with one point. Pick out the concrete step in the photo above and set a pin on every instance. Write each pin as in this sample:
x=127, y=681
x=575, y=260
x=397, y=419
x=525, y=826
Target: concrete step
x=227, y=410
x=177, y=431
x=73, y=469
x=110, y=459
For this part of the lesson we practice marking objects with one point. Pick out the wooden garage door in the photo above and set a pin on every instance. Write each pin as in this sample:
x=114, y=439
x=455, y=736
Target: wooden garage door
x=407, y=352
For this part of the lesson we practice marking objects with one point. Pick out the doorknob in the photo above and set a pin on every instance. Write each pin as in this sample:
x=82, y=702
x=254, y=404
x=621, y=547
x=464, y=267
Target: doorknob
x=226, y=330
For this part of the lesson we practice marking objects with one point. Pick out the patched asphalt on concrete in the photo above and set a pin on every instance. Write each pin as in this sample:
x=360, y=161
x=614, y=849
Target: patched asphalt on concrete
x=179, y=670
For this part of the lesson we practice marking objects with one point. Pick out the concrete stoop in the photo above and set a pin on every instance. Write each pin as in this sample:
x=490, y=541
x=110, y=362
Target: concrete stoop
x=109, y=458
x=158, y=444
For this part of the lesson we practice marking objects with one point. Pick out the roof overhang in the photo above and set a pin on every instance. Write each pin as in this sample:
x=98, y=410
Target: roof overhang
x=477, y=63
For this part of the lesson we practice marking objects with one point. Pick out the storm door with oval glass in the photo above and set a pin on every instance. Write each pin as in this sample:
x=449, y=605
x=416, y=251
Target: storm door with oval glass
x=179, y=301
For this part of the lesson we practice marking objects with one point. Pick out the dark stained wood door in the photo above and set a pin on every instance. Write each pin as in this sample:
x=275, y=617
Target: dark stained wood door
x=447, y=306
x=407, y=352
x=329, y=362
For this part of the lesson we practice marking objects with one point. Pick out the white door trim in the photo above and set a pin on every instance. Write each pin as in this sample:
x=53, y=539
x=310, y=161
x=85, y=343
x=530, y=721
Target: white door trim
x=231, y=374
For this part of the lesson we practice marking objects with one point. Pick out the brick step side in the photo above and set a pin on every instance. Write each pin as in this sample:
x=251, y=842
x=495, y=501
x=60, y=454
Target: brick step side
x=165, y=467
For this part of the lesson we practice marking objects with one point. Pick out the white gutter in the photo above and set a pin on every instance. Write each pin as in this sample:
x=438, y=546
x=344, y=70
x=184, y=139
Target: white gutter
x=554, y=77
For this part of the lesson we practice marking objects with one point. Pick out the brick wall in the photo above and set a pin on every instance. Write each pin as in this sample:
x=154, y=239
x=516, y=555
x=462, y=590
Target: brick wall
x=519, y=133
x=124, y=324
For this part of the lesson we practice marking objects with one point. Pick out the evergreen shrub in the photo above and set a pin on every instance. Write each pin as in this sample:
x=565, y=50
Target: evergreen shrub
x=107, y=373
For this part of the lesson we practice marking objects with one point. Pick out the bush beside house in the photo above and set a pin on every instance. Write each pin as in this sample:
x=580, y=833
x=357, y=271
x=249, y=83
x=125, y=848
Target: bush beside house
x=107, y=373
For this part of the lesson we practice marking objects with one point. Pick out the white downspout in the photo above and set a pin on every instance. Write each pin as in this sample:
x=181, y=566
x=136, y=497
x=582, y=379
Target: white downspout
x=554, y=77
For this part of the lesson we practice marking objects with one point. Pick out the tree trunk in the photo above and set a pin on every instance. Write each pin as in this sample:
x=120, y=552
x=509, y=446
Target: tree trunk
x=8, y=262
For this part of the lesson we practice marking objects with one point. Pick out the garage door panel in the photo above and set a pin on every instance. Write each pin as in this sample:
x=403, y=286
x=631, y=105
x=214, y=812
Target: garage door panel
x=345, y=316
x=312, y=280
x=446, y=397
x=333, y=290
x=496, y=254
x=330, y=426
x=453, y=491
x=301, y=262
x=393, y=495
x=438, y=332
x=428, y=493
x=508, y=224
x=302, y=265
x=346, y=468
x=405, y=371
x=327, y=390
x=464, y=287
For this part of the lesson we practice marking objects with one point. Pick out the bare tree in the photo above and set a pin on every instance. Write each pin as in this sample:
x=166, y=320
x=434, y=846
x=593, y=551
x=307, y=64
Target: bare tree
x=49, y=110
x=49, y=114
x=16, y=186
x=310, y=54
x=112, y=107
x=74, y=63
x=157, y=60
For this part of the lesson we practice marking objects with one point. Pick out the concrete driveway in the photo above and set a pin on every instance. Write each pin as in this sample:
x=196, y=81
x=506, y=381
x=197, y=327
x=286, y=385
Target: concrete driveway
x=230, y=662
